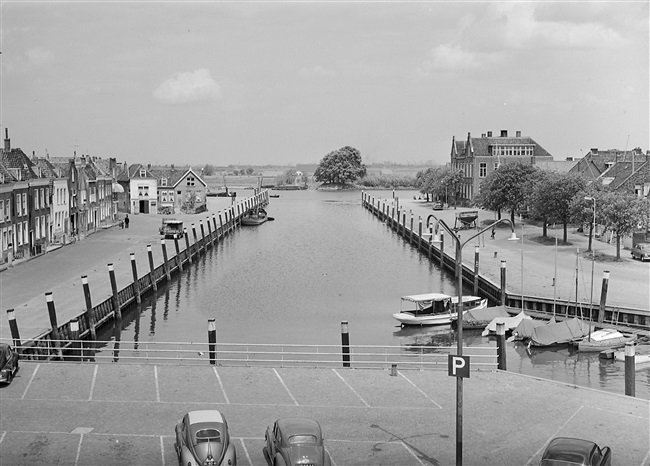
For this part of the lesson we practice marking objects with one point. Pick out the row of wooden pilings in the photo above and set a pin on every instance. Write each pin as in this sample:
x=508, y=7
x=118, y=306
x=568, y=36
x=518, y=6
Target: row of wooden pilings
x=395, y=216
x=85, y=325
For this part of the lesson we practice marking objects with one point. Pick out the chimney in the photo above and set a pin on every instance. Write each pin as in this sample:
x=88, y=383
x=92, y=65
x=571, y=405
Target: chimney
x=594, y=150
x=482, y=135
x=489, y=134
x=504, y=133
x=518, y=134
x=7, y=140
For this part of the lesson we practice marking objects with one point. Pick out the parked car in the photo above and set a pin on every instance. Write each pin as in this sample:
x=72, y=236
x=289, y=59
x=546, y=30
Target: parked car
x=295, y=441
x=641, y=251
x=8, y=363
x=437, y=205
x=564, y=451
x=202, y=439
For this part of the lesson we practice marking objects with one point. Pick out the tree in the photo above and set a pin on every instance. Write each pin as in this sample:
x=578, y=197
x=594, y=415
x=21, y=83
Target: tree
x=622, y=214
x=582, y=210
x=208, y=170
x=249, y=171
x=505, y=188
x=341, y=166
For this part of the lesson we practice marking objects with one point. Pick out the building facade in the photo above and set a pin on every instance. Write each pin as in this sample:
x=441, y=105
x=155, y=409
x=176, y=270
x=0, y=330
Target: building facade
x=180, y=191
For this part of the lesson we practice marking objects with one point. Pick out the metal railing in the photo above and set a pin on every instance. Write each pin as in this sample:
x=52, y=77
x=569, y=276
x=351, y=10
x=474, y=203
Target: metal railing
x=250, y=354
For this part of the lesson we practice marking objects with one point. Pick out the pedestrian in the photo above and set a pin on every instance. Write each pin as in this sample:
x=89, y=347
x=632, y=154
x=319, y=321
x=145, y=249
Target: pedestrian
x=126, y=221
x=494, y=232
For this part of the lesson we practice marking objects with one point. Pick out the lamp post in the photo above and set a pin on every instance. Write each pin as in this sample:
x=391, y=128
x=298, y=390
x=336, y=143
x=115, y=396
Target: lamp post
x=593, y=232
x=459, y=315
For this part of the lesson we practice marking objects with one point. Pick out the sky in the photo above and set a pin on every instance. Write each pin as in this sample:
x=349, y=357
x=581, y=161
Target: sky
x=256, y=83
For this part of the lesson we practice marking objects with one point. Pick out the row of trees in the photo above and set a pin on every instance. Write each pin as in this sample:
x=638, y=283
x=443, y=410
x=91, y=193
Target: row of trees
x=439, y=182
x=551, y=197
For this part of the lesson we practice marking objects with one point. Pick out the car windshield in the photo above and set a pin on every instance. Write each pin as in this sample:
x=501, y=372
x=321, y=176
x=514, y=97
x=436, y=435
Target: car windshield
x=559, y=463
x=207, y=435
x=302, y=440
x=644, y=246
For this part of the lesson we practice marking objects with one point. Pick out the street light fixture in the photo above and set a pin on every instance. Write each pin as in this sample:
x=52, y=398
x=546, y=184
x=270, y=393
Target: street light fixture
x=459, y=315
x=593, y=233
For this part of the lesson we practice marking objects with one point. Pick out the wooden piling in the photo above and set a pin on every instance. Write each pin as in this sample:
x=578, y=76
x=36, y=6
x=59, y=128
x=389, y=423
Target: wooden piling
x=166, y=267
x=345, y=343
x=90, y=312
x=630, y=369
x=179, y=259
x=603, y=296
x=476, y=275
x=212, y=341
x=202, y=235
x=56, y=337
x=503, y=283
x=442, y=251
x=152, y=269
x=210, y=238
x=188, y=251
x=501, y=346
x=196, y=241
x=74, y=339
x=13, y=326
x=136, y=282
x=117, y=312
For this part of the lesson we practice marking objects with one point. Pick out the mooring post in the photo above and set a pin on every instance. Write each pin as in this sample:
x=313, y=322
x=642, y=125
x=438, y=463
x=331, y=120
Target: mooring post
x=476, y=253
x=345, y=343
x=179, y=259
x=117, y=312
x=210, y=239
x=136, y=282
x=13, y=326
x=221, y=225
x=74, y=339
x=442, y=251
x=202, y=235
x=212, y=341
x=196, y=241
x=411, y=231
x=603, y=297
x=216, y=231
x=430, y=243
x=419, y=232
x=168, y=274
x=152, y=269
x=188, y=251
x=501, y=346
x=503, y=283
x=90, y=312
x=53, y=323
x=629, y=369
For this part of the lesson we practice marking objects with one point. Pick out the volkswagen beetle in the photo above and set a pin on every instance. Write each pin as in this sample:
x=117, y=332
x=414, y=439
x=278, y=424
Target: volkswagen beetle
x=8, y=363
x=202, y=439
x=295, y=442
x=563, y=451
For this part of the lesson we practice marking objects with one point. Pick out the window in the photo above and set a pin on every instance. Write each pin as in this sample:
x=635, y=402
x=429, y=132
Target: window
x=8, y=209
x=24, y=204
x=43, y=224
x=42, y=198
x=143, y=173
x=47, y=196
x=497, y=165
x=19, y=235
x=37, y=230
x=482, y=170
x=143, y=191
x=163, y=182
x=18, y=210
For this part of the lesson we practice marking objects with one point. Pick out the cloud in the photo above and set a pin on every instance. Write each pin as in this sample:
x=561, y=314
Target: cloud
x=316, y=72
x=448, y=58
x=187, y=87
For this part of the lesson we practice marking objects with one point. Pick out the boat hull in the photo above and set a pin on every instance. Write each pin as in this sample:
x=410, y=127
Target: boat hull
x=439, y=319
x=593, y=345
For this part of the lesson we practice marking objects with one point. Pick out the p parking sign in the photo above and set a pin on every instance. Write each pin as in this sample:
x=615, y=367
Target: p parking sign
x=458, y=366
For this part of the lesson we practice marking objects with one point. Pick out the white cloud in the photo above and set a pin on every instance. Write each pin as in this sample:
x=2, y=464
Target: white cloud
x=187, y=87
x=316, y=72
x=448, y=58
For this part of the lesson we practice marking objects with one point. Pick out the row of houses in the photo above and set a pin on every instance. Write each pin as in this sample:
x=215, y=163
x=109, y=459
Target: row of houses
x=476, y=157
x=45, y=201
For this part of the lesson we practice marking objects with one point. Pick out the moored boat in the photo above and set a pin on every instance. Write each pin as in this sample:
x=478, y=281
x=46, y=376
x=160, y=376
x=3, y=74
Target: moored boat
x=510, y=323
x=254, y=217
x=600, y=340
x=559, y=333
x=434, y=308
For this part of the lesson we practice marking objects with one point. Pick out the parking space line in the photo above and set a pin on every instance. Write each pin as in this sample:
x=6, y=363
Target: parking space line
x=248, y=457
x=29, y=384
x=162, y=451
x=286, y=388
x=554, y=435
x=407, y=448
x=92, y=384
x=645, y=460
x=76, y=460
x=350, y=387
x=2, y=437
x=155, y=376
x=223, y=390
x=418, y=389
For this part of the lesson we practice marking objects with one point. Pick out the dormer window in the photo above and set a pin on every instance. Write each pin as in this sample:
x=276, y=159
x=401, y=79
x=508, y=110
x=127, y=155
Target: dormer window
x=609, y=165
x=163, y=182
x=143, y=173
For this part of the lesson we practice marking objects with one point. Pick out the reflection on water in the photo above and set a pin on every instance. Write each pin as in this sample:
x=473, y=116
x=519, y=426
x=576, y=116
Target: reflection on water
x=322, y=261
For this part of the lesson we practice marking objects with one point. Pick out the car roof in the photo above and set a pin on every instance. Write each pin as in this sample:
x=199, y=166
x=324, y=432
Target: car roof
x=205, y=415
x=299, y=425
x=569, y=446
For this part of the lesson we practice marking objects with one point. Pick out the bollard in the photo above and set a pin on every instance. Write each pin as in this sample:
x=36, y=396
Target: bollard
x=74, y=339
x=216, y=232
x=152, y=269
x=55, y=327
x=165, y=260
x=503, y=283
x=442, y=251
x=210, y=238
x=629, y=369
x=393, y=370
x=13, y=326
x=345, y=343
x=117, y=312
x=430, y=244
x=419, y=233
x=196, y=241
x=202, y=235
x=221, y=225
x=136, y=282
x=179, y=259
x=90, y=312
x=501, y=346
x=476, y=253
x=212, y=341
x=603, y=296
x=187, y=245
x=411, y=230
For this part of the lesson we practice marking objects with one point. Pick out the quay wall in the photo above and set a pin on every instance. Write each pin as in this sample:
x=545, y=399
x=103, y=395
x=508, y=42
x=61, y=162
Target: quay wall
x=395, y=217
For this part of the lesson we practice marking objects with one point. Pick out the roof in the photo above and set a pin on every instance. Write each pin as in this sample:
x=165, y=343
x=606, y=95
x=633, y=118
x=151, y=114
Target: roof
x=16, y=160
x=205, y=415
x=569, y=449
x=299, y=425
x=426, y=297
x=174, y=176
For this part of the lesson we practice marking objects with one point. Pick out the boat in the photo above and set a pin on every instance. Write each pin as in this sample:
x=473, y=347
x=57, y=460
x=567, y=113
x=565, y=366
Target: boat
x=434, y=308
x=641, y=355
x=606, y=338
x=480, y=317
x=510, y=323
x=274, y=195
x=254, y=217
x=559, y=333
x=524, y=330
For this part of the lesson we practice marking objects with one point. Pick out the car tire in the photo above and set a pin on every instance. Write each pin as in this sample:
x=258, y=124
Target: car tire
x=279, y=461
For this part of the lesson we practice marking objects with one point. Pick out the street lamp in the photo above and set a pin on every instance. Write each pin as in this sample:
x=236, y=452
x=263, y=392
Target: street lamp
x=593, y=232
x=459, y=315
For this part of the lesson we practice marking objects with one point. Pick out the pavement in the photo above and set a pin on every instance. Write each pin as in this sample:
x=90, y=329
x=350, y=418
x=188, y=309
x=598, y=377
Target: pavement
x=121, y=414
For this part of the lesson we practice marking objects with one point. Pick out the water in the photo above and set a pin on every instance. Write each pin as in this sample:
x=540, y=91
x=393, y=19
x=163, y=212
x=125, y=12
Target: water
x=322, y=261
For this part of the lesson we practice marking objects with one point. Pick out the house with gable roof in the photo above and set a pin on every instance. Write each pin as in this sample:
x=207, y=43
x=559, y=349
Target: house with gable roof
x=180, y=190
x=140, y=189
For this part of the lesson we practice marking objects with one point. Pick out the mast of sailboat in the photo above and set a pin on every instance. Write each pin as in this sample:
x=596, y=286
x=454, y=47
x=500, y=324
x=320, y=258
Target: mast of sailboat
x=577, y=253
x=555, y=276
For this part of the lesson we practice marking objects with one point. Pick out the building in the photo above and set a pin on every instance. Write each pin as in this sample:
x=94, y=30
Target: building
x=478, y=157
x=180, y=190
x=140, y=186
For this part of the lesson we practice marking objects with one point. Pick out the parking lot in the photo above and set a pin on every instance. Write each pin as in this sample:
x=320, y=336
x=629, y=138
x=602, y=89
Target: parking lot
x=110, y=414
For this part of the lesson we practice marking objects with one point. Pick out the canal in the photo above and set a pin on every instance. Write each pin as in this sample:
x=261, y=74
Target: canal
x=321, y=261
